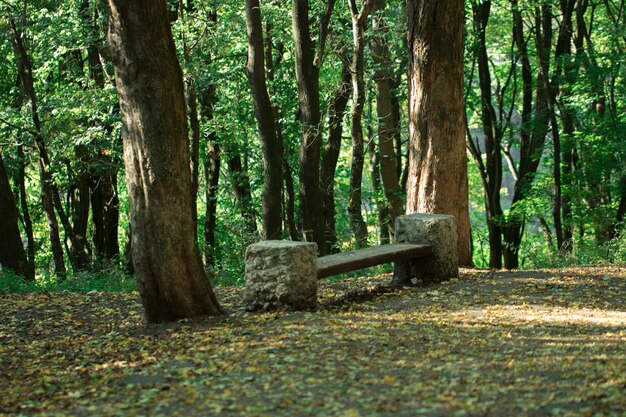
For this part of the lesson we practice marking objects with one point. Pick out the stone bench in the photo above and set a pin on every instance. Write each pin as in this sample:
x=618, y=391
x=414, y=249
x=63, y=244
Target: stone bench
x=284, y=274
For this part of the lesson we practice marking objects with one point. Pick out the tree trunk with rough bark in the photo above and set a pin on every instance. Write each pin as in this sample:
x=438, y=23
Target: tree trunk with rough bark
x=307, y=75
x=271, y=147
x=171, y=277
x=105, y=214
x=438, y=180
x=12, y=254
x=289, y=195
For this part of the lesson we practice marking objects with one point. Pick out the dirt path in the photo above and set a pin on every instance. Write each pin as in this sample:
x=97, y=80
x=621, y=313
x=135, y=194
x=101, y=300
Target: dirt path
x=532, y=343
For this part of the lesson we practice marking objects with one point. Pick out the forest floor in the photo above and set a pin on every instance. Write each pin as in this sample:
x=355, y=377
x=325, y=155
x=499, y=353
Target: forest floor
x=531, y=343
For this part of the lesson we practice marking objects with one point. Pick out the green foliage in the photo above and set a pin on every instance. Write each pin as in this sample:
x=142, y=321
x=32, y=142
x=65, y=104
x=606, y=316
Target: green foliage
x=14, y=283
x=82, y=129
x=107, y=277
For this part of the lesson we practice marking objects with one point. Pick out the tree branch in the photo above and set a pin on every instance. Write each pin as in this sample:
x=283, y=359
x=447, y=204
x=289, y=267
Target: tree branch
x=21, y=129
x=323, y=33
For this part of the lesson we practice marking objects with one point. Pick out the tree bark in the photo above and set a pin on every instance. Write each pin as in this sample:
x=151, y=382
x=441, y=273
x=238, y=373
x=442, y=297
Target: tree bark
x=307, y=75
x=194, y=122
x=172, y=281
x=437, y=180
x=105, y=213
x=12, y=254
x=271, y=147
x=289, y=195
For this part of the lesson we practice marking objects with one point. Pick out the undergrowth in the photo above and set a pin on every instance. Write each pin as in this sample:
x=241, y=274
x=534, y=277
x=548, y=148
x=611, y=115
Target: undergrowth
x=104, y=278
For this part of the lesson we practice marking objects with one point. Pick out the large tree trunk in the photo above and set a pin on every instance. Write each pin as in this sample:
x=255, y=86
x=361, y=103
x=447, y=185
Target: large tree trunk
x=438, y=166
x=12, y=254
x=172, y=281
x=307, y=74
x=387, y=126
x=271, y=147
x=330, y=156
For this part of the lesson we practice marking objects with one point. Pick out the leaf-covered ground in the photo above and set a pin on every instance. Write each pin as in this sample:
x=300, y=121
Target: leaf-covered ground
x=537, y=343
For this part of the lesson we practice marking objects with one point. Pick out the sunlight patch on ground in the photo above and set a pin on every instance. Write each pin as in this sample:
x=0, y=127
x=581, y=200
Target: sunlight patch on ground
x=546, y=315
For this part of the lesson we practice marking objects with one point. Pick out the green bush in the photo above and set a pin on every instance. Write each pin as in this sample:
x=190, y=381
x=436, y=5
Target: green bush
x=10, y=282
x=105, y=277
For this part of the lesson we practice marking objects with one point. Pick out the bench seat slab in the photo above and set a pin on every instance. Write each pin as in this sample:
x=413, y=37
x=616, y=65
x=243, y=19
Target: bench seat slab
x=365, y=258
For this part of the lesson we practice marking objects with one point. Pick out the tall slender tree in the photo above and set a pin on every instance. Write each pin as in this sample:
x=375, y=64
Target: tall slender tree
x=359, y=25
x=271, y=146
x=388, y=129
x=491, y=168
x=330, y=156
x=25, y=71
x=308, y=64
x=534, y=121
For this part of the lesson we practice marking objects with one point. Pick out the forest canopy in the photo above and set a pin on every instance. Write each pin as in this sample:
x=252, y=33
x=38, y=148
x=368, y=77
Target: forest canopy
x=544, y=97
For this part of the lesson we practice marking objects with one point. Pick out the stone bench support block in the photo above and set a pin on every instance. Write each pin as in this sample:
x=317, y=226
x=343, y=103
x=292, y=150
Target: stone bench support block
x=281, y=275
x=436, y=230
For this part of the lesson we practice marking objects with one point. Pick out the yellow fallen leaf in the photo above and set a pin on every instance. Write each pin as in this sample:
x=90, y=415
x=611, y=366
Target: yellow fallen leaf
x=389, y=379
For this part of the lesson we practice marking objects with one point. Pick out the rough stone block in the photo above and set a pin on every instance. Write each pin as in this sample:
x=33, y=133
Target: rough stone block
x=281, y=275
x=436, y=230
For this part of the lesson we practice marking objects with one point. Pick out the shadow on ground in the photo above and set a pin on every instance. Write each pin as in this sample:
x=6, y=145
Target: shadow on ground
x=532, y=343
